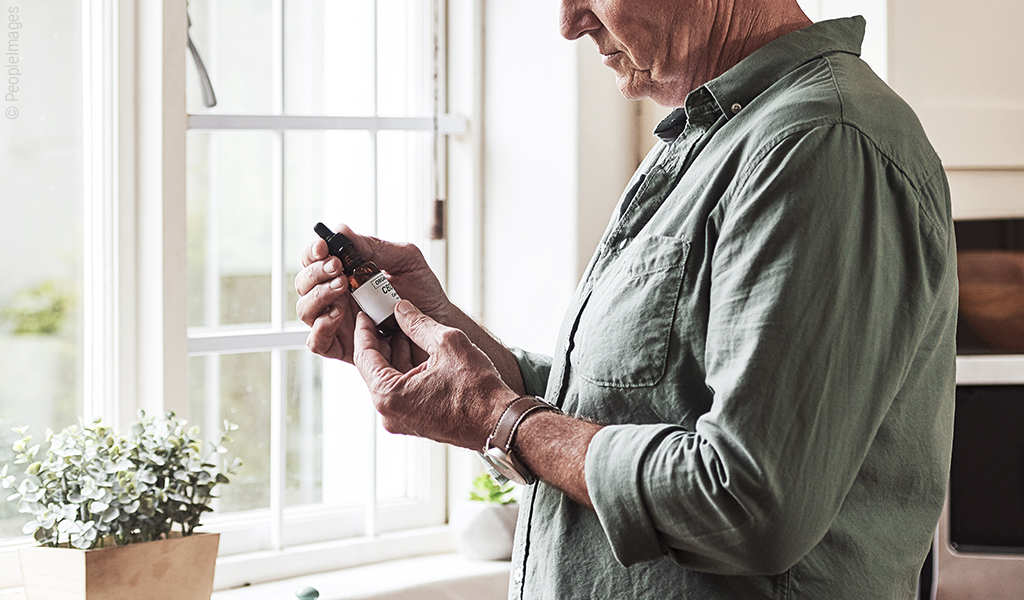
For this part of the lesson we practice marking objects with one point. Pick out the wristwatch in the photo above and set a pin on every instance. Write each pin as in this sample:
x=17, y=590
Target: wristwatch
x=497, y=451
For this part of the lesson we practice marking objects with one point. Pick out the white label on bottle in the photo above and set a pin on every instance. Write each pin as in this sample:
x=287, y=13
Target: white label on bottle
x=377, y=298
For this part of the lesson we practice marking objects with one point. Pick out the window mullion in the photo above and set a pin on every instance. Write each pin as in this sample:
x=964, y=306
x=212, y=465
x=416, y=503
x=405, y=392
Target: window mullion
x=278, y=408
x=445, y=124
x=100, y=252
x=371, y=526
x=161, y=299
x=278, y=450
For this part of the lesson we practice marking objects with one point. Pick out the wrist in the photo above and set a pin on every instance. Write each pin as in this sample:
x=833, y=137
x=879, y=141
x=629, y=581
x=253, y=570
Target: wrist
x=553, y=446
x=498, y=450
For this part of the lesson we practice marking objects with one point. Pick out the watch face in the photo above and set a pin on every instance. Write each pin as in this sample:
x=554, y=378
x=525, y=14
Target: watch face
x=503, y=464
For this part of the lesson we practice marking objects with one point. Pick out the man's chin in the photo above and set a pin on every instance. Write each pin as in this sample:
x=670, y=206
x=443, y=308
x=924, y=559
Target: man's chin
x=632, y=89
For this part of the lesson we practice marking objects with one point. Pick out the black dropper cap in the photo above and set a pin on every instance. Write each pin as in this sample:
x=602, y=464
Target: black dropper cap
x=336, y=242
x=340, y=246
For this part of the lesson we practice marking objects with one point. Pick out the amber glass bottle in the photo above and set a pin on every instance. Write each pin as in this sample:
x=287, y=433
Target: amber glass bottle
x=370, y=287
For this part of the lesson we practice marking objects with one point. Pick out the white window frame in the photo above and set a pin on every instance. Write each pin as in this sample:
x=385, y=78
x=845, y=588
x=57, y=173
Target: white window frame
x=278, y=527
x=112, y=322
x=137, y=345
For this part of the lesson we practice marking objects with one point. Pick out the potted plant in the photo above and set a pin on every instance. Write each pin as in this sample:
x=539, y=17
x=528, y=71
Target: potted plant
x=484, y=526
x=105, y=507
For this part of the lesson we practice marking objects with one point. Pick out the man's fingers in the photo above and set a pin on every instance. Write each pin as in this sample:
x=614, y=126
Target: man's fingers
x=317, y=301
x=390, y=256
x=314, y=252
x=323, y=338
x=401, y=352
x=319, y=272
x=425, y=332
x=367, y=356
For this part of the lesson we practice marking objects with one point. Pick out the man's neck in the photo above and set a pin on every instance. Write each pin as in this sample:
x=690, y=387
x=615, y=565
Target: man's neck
x=746, y=26
x=751, y=29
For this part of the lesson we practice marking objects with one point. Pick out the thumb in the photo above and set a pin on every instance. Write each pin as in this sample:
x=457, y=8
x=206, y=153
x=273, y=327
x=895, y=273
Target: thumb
x=421, y=329
x=366, y=354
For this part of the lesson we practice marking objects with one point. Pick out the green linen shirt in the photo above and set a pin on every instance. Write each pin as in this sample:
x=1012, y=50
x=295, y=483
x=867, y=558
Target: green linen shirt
x=767, y=329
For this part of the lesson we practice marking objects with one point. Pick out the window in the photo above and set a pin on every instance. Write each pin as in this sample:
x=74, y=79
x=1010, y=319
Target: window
x=178, y=236
x=42, y=276
x=324, y=111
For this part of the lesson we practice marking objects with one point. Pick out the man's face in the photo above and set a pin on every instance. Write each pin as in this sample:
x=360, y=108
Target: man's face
x=656, y=47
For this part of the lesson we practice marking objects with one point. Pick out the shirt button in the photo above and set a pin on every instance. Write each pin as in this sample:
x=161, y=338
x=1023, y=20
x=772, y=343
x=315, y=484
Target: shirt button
x=622, y=244
x=519, y=575
x=737, y=107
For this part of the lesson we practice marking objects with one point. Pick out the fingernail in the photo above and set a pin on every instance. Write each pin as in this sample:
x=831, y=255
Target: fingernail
x=336, y=283
x=330, y=268
x=335, y=313
x=404, y=307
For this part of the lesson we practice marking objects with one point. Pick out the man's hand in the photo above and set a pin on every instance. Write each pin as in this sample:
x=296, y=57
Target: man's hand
x=455, y=396
x=326, y=305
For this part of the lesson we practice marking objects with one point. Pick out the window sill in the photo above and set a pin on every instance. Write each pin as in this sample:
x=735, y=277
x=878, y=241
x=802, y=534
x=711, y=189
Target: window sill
x=391, y=557
x=450, y=576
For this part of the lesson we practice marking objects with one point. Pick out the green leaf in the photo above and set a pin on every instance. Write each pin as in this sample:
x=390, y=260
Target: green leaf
x=486, y=489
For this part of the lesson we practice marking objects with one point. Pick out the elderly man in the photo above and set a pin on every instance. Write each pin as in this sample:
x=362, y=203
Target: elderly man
x=752, y=391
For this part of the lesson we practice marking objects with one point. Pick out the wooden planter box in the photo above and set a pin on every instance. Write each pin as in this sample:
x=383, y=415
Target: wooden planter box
x=179, y=568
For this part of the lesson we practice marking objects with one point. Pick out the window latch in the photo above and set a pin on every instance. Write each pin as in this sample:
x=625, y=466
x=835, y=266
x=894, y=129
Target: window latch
x=209, y=98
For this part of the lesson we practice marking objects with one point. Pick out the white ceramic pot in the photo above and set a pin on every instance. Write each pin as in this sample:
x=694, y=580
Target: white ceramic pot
x=484, y=530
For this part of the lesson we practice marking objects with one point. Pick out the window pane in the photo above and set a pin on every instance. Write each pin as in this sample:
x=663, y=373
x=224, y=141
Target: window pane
x=236, y=387
x=405, y=48
x=330, y=53
x=329, y=57
x=328, y=177
x=305, y=429
x=403, y=184
x=234, y=40
x=402, y=466
x=349, y=418
x=229, y=227
x=41, y=195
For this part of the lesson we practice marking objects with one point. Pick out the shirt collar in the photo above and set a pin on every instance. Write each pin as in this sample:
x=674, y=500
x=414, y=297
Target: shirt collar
x=700, y=107
x=738, y=86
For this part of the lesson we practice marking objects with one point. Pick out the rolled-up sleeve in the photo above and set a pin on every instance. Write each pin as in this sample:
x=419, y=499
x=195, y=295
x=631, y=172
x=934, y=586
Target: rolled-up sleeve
x=825, y=272
x=616, y=490
x=534, y=369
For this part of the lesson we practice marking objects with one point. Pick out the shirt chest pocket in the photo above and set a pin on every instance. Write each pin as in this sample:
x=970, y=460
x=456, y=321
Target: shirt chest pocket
x=624, y=331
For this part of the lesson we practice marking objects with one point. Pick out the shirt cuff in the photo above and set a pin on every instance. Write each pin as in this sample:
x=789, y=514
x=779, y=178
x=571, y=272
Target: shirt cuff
x=614, y=474
x=535, y=369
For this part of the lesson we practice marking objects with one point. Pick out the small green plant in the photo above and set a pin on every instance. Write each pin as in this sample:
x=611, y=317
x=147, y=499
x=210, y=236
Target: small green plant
x=486, y=489
x=94, y=487
x=39, y=310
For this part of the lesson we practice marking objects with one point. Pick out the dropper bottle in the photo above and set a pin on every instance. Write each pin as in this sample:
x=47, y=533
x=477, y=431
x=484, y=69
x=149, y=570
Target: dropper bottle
x=370, y=287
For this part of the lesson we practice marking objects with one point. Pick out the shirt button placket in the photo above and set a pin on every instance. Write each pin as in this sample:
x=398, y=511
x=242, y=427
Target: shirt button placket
x=517, y=582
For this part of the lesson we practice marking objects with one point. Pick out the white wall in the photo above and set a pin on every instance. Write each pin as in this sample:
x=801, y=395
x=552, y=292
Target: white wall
x=559, y=144
x=876, y=38
x=959, y=66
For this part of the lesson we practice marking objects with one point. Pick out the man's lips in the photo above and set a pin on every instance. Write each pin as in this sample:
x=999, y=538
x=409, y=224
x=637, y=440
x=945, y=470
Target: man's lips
x=609, y=57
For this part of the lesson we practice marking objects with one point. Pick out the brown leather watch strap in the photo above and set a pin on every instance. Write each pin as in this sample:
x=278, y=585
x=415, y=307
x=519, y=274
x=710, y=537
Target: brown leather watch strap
x=508, y=423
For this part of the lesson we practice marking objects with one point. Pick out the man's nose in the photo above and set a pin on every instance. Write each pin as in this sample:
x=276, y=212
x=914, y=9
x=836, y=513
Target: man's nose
x=576, y=19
